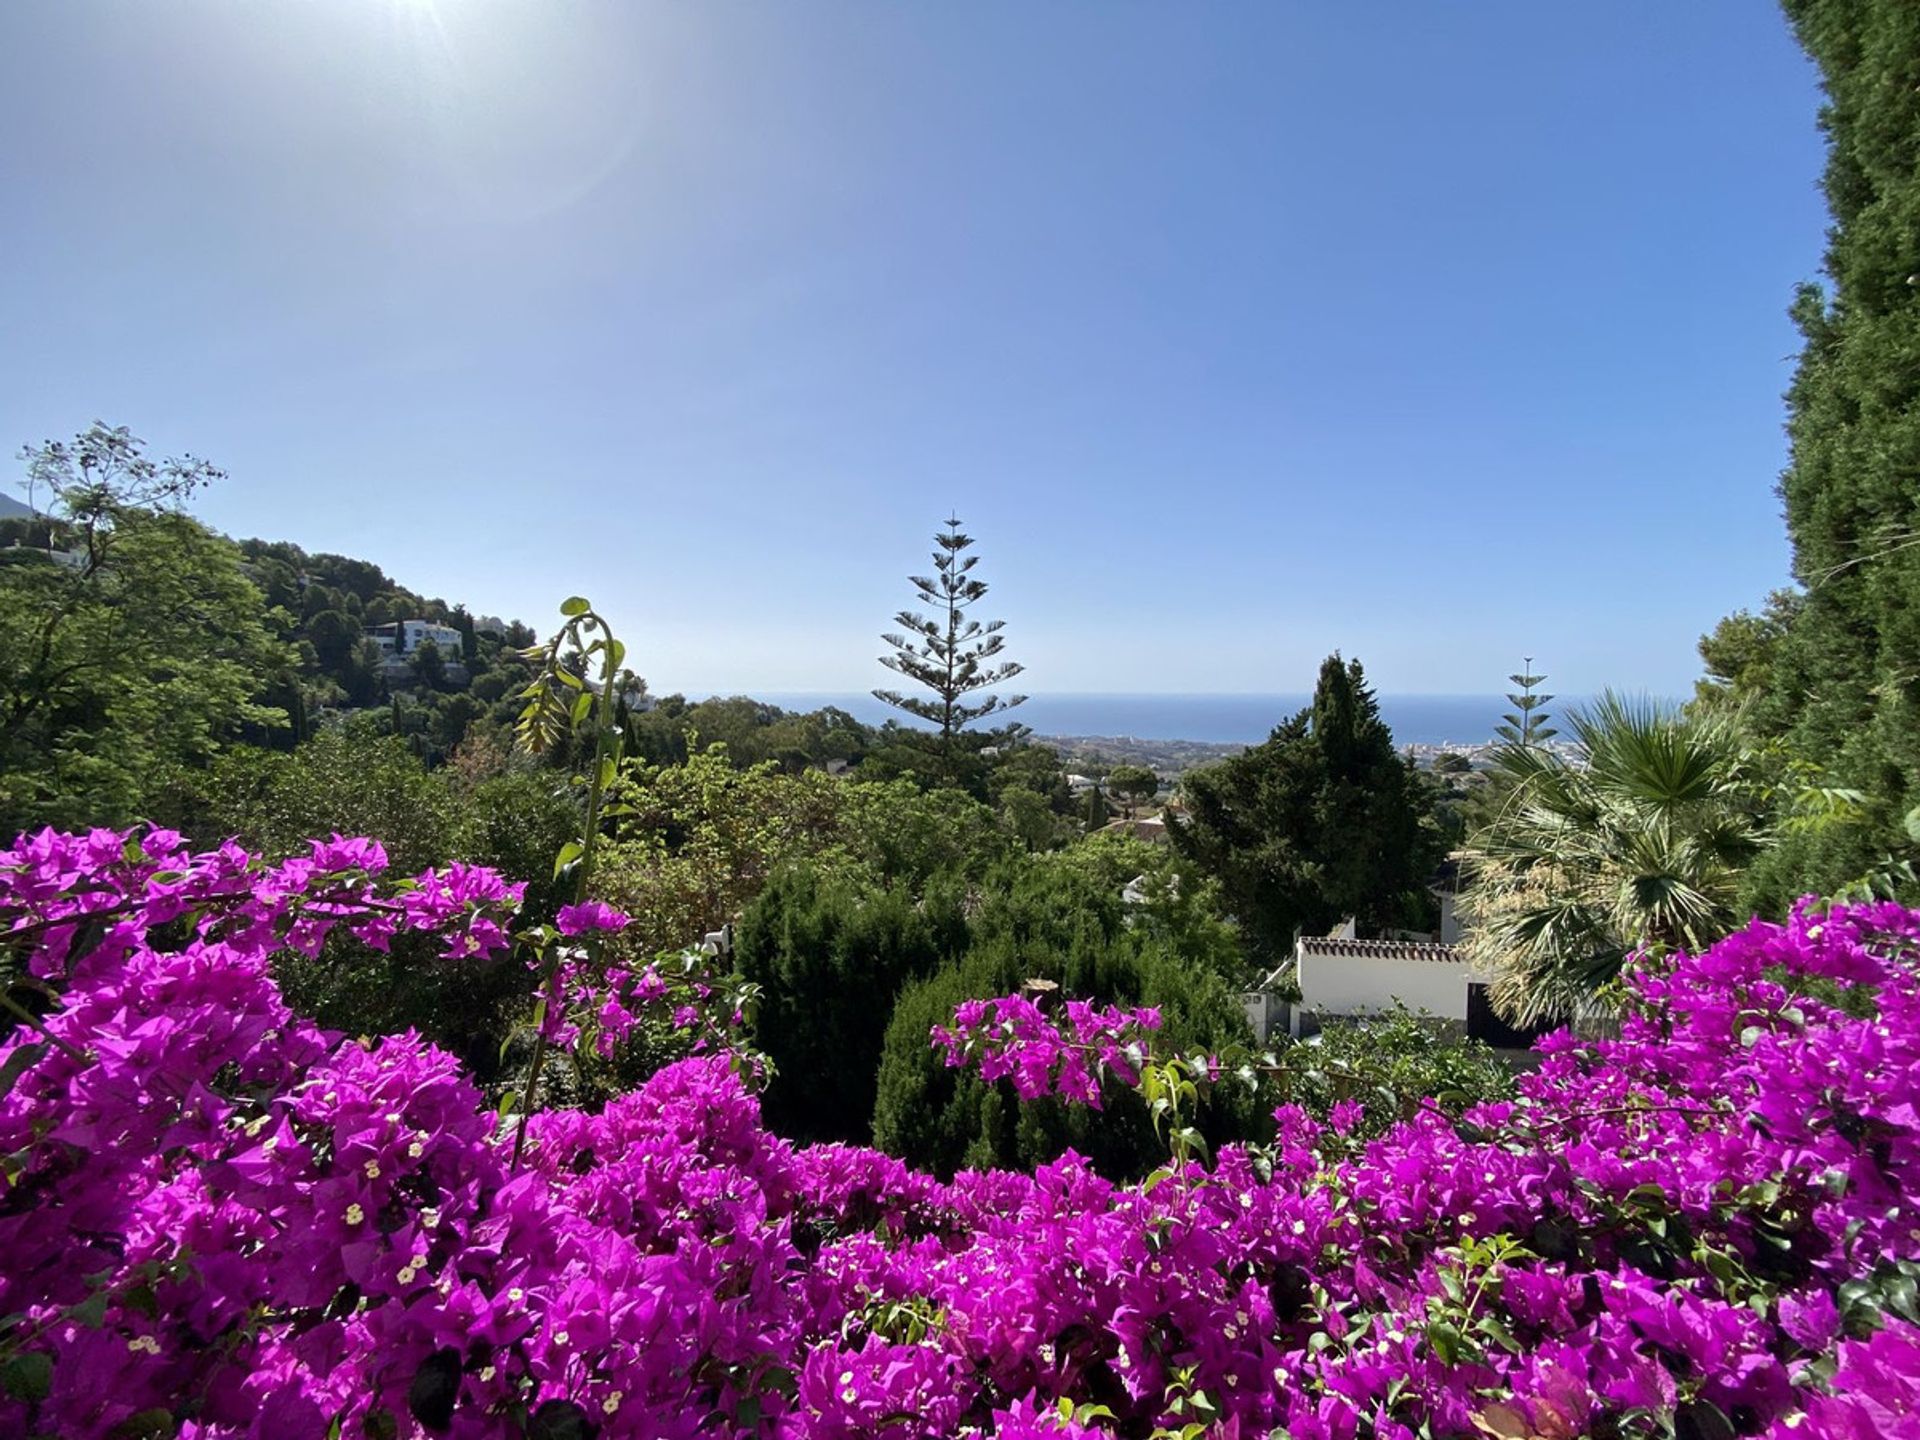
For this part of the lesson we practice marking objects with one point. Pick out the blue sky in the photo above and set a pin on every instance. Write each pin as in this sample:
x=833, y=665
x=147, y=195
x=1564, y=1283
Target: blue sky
x=1236, y=332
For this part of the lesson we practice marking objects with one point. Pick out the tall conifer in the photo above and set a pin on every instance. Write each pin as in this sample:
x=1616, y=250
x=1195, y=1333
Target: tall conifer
x=1527, y=723
x=1845, y=686
x=946, y=651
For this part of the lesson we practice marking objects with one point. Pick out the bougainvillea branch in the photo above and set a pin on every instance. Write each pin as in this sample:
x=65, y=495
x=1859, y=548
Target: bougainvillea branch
x=219, y=1221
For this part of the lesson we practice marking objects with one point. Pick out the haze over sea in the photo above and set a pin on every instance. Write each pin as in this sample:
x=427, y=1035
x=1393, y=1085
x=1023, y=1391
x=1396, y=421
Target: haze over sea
x=1217, y=719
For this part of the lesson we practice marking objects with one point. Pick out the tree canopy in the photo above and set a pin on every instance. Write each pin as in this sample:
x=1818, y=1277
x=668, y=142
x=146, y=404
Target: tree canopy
x=1636, y=842
x=1322, y=821
x=1838, y=662
x=135, y=643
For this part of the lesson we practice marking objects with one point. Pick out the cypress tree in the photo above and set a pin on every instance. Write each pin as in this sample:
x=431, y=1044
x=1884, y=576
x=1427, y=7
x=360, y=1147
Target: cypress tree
x=1322, y=821
x=1845, y=685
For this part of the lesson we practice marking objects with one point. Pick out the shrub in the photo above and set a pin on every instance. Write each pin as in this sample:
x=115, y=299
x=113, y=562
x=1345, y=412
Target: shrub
x=830, y=953
x=1386, y=1065
x=1047, y=920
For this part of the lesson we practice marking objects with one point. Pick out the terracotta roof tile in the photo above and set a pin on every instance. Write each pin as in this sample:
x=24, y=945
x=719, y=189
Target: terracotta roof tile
x=1329, y=948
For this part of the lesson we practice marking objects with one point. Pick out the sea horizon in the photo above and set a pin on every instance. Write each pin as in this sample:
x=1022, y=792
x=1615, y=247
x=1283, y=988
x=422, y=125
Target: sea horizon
x=1243, y=718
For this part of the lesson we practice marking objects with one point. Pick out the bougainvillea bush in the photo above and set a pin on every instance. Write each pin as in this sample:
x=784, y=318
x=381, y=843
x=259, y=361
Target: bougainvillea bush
x=219, y=1221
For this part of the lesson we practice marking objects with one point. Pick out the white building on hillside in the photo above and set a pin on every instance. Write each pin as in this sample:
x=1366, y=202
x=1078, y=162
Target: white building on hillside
x=399, y=640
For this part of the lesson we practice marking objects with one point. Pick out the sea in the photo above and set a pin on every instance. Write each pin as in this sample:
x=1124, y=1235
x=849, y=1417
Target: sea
x=1214, y=719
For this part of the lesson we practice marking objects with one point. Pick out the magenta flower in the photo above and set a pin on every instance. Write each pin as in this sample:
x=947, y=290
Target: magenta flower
x=589, y=915
x=222, y=1222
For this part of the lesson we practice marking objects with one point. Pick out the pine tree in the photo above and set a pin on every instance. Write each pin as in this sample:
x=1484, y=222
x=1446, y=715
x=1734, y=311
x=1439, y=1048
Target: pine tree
x=1527, y=724
x=1322, y=821
x=947, y=652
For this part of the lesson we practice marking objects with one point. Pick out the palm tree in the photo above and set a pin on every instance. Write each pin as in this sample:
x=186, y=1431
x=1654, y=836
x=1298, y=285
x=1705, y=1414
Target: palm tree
x=1633, y=843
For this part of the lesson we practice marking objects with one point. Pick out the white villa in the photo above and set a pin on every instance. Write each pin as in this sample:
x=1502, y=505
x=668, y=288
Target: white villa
x=399, y=639
x=1342, y=977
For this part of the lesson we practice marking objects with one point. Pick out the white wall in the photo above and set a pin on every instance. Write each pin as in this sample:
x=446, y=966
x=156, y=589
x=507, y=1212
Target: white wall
x=445, y=638
x=1353, y=985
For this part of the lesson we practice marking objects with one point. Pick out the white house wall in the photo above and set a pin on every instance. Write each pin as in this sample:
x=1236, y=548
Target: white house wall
x=1357, y=985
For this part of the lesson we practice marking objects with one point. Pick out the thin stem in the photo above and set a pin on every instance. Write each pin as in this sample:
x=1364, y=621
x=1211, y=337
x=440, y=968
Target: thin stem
x=37, y=1023
x=609, y=743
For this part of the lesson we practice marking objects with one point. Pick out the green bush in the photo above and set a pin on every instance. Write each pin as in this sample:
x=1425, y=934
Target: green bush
x=349, y=782
x=1388, y=1064
x=357, y=783
x=831, y=952
x=1051, y=922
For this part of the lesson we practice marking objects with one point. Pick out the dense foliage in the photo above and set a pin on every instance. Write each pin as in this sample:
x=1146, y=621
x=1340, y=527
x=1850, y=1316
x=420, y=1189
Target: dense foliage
x=831, y=951
x=1634, y=839
x=1057, y=922
x=222, y=1221
x=131, y=638
x=1835, y=666
x=1321, y=822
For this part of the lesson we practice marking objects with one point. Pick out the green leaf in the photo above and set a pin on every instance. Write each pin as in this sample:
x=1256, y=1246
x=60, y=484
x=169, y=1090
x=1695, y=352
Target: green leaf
x=560, y=1420
x=569, y=852
x=1491, y=1327
x=1702, y=1420
x=582, y=707
x=17, y=1064
x=574, y=606
x=1901, y=1297
x=435, y=1389
x=27, y=1377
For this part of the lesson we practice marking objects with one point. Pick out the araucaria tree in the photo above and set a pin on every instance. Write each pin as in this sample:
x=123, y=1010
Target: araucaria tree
x=946, y=651
x=1527, y=723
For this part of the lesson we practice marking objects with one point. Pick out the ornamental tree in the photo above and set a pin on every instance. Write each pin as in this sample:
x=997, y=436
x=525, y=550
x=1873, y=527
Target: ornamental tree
x=1527, y=722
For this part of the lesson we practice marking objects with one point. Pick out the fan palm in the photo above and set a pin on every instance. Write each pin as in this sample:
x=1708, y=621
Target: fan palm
x=1633, y=842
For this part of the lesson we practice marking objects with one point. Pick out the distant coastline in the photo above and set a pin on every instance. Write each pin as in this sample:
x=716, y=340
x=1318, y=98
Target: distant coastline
x=1209, y=720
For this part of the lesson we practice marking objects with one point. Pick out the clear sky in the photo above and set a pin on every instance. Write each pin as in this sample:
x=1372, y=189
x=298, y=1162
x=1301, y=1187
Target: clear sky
x=1237, y=332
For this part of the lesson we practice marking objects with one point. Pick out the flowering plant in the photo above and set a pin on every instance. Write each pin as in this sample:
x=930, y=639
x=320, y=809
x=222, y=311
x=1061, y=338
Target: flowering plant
x=220, y=1221
x=1011, y=1037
